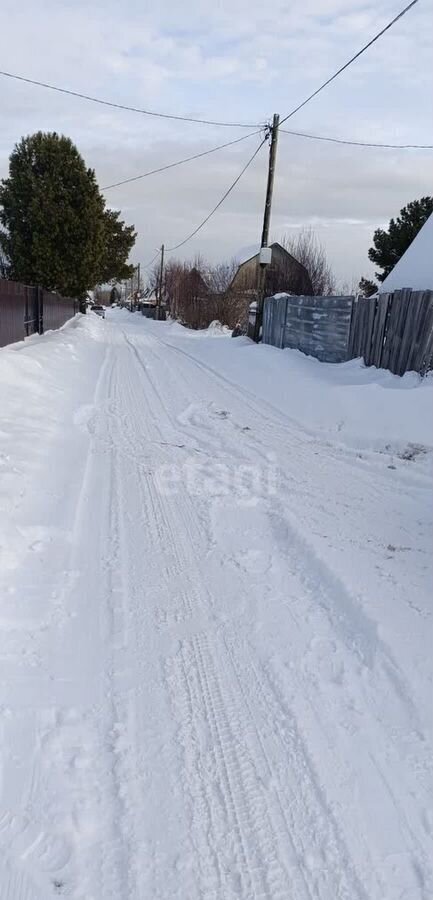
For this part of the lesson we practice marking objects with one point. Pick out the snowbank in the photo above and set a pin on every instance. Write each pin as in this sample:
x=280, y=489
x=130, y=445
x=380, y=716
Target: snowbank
x=358, y=405
x=216, y=329
x=348, y=403
x=41, y=387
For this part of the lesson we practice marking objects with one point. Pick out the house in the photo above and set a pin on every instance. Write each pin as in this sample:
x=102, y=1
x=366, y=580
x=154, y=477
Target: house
x=102, y=295
x=415, y=268
x=284, y=273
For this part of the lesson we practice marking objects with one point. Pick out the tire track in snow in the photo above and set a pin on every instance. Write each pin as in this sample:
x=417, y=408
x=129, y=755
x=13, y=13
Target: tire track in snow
x=357, y=631
x=243, y=804
x=105, y=869
x=358, y=642
x=33, y=859
x=241, y=748
x=232, y=823
x=357, y=634
x=145, y=579
x=317, y=844
x=16, y=886
x=177, y=533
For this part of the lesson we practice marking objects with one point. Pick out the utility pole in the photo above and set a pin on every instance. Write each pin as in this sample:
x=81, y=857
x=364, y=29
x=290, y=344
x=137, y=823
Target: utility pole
x=161, y=276
x=138, y=278
x=266, y=223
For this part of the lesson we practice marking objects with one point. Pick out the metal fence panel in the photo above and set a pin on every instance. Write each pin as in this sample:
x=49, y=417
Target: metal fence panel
x=18, y=311
x=25, y=309
x=319, y=326
x=56, y=310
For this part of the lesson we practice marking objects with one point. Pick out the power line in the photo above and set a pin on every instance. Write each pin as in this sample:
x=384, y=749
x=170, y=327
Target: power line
x=147, y=265
x=350, y=61
x=318, y=137
x=160, y=115
x=180, y=161
x=143, y=112
x=233, y=185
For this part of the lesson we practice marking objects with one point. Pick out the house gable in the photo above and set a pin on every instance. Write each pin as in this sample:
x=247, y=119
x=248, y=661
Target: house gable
x=295, y=278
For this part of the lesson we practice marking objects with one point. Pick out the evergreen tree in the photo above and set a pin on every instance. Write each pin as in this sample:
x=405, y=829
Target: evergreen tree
x=118, y=241
x=390, y=245
x=57, y=232
x=367, y=288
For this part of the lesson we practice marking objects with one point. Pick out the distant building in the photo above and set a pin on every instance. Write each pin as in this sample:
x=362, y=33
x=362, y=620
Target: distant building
x=102, y=295
x=284, y=273
x=415, y=268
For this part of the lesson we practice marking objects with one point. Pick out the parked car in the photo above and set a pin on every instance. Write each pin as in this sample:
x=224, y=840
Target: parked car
x=99, y=310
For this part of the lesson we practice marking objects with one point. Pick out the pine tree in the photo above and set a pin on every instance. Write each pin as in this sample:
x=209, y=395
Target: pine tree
x=118, y=241
x=57, y=232
x=390, y=245
x=367, y=287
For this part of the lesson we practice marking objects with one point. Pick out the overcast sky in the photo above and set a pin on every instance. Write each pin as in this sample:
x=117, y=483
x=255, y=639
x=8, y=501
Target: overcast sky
x=235, y=60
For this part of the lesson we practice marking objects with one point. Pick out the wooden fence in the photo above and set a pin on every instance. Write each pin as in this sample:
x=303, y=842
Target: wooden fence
x=25, y=310
x=394, y=331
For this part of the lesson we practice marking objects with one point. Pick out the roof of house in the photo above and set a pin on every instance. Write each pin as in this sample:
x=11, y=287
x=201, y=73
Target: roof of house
x=415, y=268
x=246, y=253
x=250, y=253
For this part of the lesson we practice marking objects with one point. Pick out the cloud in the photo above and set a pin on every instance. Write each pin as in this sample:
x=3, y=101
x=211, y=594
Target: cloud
x=231, y=60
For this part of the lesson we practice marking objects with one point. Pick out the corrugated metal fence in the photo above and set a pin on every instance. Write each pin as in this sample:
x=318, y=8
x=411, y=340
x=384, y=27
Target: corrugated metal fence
x=318, y=326
x=26, y=310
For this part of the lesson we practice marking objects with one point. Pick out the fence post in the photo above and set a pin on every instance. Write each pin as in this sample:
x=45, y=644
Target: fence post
x=26, y=311
x=252, y=314
x=284, y=324
x=40, y=309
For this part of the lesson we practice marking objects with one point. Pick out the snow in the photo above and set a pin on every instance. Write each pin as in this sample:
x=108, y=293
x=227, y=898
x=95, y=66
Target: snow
x=215, y=620
x=246, y=253
x=415, y=268
x=347, y=403
x=216, y=329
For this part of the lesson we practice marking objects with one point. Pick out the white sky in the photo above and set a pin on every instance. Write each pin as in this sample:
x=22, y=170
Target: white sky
x=240, y=61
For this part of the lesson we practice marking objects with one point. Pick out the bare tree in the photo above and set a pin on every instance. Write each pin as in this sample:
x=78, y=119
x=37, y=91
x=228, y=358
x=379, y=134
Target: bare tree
x=198, y=292
x=221, y=276
x=153, y=278
x=309, y=251
x=185, y=291
x=228, y=304
x=349, y=286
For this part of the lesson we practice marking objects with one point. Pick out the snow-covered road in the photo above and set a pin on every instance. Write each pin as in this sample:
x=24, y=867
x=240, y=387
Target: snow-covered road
x=215, y=633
